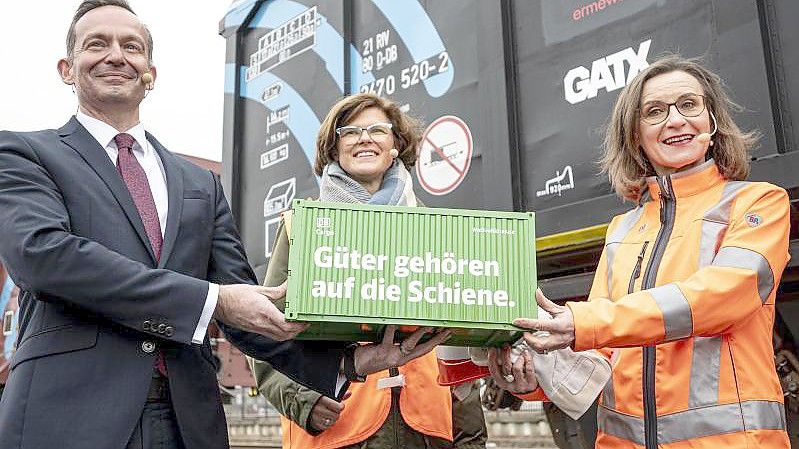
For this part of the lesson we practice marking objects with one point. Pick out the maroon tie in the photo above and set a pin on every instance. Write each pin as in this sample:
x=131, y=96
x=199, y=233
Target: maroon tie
x=139, y=188
x=136, y=180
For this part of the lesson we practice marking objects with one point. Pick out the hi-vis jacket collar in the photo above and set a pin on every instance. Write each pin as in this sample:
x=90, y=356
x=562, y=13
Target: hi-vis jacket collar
x=687, y=183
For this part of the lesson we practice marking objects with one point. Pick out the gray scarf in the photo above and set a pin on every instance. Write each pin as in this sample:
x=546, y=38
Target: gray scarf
x=396, y=189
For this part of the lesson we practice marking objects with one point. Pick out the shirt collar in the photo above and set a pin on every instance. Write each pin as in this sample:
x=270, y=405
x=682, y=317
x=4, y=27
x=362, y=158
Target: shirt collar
x=104, y=133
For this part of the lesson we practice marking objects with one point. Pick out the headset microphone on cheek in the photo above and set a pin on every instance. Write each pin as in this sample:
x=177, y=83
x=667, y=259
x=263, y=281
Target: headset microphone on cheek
x=147, y=80
x=704, y=138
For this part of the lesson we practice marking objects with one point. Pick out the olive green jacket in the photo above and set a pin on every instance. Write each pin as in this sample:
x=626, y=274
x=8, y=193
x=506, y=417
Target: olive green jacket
x=295, y=402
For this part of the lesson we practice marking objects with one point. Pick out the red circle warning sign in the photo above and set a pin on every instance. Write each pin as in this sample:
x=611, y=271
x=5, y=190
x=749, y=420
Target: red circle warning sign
x=445, y=155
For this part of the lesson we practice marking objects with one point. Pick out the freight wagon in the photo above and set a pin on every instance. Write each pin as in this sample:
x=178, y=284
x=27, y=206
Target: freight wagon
x=515, y=95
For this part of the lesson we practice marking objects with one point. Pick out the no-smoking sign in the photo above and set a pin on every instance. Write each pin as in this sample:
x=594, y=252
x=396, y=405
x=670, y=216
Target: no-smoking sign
x=445, y=155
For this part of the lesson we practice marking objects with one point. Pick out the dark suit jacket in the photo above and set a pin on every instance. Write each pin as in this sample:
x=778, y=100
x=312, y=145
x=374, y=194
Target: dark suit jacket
x=93, y=297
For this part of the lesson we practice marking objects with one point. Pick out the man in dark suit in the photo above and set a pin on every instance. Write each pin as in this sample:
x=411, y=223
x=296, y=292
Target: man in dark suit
x=123, y=253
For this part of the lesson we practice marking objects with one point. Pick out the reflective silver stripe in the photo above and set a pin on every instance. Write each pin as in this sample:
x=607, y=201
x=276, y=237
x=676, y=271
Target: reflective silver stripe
x=608, y=395
x=696, y=423
x=706, y=358
x=610, y=250
x=734, y=257
x=626, y=427
x=700, y=422
x=711, y=234
x=764, y=415
x=677, y=319
x=612, y=243
x=715, y=222
x=721, y=419
x=613, y=240
x=703, y=385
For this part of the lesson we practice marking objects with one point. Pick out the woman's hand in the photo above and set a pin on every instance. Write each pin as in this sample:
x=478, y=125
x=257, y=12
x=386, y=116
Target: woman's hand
x=326, y=412
x=515, y=376
x=384, y=355
x=548, y=335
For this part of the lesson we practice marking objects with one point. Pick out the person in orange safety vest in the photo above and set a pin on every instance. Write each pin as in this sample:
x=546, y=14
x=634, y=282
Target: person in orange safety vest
x=683, y=298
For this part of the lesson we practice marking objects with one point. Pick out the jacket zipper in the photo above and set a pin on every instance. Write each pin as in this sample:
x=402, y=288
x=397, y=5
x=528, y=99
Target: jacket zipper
x=668, y=208
x=637, y=270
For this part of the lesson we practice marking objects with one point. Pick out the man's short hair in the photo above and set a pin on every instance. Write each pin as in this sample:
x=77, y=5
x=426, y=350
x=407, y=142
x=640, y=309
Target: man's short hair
x=88, y=5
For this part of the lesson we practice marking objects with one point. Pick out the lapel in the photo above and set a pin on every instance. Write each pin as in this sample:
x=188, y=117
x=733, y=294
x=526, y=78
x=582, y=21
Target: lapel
x=74, y=135
x=174, y=185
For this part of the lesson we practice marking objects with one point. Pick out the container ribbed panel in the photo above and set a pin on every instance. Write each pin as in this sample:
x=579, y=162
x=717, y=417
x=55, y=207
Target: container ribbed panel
x=373, y=247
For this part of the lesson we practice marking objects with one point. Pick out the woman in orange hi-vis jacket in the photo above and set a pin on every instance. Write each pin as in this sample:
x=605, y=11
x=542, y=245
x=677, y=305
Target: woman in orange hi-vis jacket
x=683, y=298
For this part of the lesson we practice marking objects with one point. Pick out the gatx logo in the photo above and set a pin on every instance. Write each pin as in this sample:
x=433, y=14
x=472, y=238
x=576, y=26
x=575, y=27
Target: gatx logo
x=610, y=73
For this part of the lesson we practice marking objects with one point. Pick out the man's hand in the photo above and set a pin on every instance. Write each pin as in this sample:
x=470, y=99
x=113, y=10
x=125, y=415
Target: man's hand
x=326, y=411
x=250, y=308
x=516, y=376
x=548, y=335
x=384, y=355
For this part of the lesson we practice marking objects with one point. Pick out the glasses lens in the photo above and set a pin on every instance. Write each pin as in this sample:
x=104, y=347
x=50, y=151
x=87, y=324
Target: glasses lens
x=349, y=133
x=655, y=112
x=690, y=105
x=379, y=130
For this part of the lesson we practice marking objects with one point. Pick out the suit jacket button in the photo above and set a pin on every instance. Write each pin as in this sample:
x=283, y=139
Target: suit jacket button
x=146, y=325
x=148, y=346
x=161, y=328
x=169, y=331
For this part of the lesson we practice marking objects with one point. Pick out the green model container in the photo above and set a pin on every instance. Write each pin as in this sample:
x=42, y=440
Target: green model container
x=354, y=269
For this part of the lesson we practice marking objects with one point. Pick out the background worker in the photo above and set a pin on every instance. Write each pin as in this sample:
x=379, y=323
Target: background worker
x=683, y=298
x=364, y=149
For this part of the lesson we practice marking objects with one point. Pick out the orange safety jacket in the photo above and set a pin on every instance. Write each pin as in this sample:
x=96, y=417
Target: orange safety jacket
x=425, y=406
x=683, y=304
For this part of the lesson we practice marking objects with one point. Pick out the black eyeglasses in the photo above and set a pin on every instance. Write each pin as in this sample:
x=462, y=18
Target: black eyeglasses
x=351, y=133
x=656, y=112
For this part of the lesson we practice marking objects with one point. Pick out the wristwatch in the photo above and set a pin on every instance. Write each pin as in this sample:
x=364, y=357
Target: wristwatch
x=348, y=365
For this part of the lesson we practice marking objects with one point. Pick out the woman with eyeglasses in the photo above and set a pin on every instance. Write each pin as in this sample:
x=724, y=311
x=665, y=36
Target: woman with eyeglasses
x=683, y=298
x=364, y=149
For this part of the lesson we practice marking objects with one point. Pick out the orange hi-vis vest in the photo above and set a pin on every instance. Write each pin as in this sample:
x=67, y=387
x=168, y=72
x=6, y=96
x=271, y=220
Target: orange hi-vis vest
x=684, y=295
x=425, y=406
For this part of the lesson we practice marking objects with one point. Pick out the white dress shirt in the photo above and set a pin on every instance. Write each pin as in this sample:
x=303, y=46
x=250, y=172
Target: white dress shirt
x=154, y=169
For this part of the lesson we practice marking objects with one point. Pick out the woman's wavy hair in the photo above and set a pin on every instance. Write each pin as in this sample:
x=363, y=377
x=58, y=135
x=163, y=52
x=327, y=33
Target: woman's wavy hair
x=406, y=129
x=623, y=158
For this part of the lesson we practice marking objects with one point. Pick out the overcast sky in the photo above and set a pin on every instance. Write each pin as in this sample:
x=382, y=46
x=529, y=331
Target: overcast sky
x=184, y=111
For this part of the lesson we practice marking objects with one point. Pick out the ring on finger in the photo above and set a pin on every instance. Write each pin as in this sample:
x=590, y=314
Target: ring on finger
x=327, y=421
x=404, y=350
x=509, y=377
